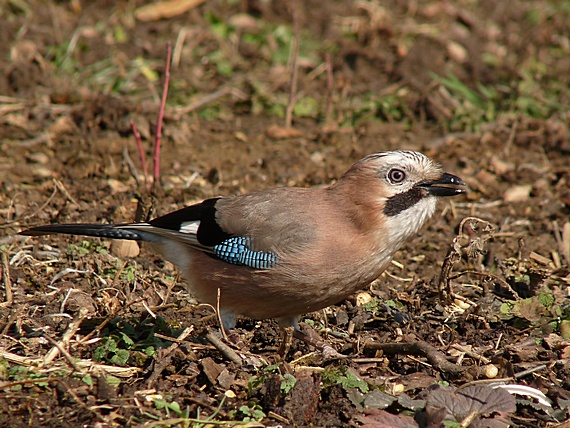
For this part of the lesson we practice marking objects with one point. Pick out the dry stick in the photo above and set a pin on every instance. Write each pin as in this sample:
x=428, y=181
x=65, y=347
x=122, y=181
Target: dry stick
x=59, y=347
x=6, y=280
x=97, y=329
x=67, y=355
x=158, y=137
x=6, y=385
x=63, y=190
x=294, y=65
x=453, y=256
x=226, y=351
x=35, y=213
x=207, y=99
x=131, y=166
x=511, y=138
x=142, y=156
x=167, y=355
x=92, y=409
x=219, y=315
x=435, y=357
x=469, y=419
x=471, y=353
x=489, y=276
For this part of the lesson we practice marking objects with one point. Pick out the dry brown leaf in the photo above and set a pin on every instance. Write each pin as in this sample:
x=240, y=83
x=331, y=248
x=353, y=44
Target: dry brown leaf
x=165, y=9
x=280, y=133
x=382, y=419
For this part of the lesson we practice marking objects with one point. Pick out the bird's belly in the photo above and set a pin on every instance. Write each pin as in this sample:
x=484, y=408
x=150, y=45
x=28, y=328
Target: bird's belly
x=272, y=293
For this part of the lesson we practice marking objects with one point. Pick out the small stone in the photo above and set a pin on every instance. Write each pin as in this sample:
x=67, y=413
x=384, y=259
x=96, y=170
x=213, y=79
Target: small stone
x=117, y=186
x=123, y=248
x=363, y=298
x=491, y=371
x=38, y=157
x=519, y=193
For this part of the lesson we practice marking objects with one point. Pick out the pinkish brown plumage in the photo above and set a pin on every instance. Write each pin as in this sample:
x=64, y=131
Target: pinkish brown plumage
x=279, y=253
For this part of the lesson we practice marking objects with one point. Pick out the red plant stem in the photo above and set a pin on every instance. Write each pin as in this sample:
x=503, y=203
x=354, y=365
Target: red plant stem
x=156, y=174
x=142, y=156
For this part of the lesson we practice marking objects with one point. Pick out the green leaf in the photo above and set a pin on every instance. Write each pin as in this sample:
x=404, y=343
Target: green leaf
x=121, y=357
x=546, y=299
x=87, y=379
x=149, y=350
x=287, y=383
x=112, y=380
x=129, y=343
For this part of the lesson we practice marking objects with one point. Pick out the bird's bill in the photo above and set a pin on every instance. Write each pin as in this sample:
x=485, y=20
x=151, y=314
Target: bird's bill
x=447, y=185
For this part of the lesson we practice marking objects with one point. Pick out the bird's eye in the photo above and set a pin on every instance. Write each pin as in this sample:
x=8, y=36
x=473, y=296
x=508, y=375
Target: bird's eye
x=396, y=176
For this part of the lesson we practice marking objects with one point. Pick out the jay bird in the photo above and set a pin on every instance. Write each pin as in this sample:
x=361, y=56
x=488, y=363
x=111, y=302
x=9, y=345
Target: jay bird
x=282, y=252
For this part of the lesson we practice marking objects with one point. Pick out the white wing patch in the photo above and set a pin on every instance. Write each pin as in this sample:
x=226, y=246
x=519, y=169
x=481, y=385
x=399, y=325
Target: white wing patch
x=186, y=233
x=190, y=227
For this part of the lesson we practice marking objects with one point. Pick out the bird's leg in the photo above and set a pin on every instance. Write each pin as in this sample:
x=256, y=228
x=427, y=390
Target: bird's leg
x=317, y=342
x=235, y=339
x=287, y=334
x=313, y=339
x=228, y=328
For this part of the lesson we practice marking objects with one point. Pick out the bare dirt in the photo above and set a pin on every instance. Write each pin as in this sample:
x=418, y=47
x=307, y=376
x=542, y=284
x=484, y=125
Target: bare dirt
x=85, y=329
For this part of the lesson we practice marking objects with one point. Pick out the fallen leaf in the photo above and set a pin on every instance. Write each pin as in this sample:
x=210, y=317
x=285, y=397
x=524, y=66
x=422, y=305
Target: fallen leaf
x=279, y=133
x=165, y=9
x=475, y=401
x=377, y=399
x=382, y=419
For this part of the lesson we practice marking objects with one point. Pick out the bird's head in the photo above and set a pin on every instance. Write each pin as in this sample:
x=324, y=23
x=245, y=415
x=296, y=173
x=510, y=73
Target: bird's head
x=400, y=188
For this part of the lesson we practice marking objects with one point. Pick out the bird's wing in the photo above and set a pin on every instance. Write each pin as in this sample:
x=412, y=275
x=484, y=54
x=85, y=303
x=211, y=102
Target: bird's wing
x=195, y=226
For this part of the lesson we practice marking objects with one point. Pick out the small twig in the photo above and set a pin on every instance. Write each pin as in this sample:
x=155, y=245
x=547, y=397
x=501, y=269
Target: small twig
x=529, y=371
x=511, y=138
x=140, y=149
x=158, y=136
x=59, y=347
x=219, y=314
x=97, y=329
x=166, y=356
x=469, y=419
x=278, y=417
x=498, y=341
x=207, y=99
x=454, y=255
x=35, y=213
x=226, y=351
x=180, y=339
x=63, y=190
x=471, y=353
x=6, y=385
x=487, y=275
x=367, y=360
x=7, y=281
x=91, y=409
x=435, y=357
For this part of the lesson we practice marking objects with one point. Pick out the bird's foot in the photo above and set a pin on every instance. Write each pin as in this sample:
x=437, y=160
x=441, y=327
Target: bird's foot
x=312, y=338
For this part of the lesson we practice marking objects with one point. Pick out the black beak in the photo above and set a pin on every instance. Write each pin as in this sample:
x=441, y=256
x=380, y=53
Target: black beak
x=447, y=185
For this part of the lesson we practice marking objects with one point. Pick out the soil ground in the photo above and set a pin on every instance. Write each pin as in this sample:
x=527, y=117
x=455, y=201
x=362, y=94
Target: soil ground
x=88, y=333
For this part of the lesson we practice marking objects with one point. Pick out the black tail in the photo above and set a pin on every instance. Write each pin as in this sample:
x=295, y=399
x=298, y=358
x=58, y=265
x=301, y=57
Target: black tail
x=99, y=230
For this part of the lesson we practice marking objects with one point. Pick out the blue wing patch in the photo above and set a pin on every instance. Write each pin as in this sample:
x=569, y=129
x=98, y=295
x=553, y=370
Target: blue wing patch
x=234, y=250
